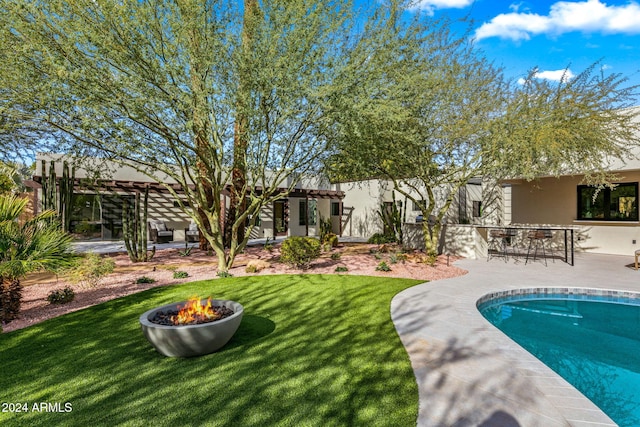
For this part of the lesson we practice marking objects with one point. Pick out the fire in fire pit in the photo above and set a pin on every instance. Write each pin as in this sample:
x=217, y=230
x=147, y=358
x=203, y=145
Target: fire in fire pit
x=192, y=313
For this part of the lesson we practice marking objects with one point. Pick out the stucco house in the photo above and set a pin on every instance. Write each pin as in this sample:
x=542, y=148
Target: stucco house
x=351, y=207
x=96, y=211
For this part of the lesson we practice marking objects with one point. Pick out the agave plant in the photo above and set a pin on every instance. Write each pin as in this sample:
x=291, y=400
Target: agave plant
x=34, y=245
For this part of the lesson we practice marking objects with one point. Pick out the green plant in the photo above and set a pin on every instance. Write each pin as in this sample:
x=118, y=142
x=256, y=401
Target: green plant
x=179, y=274
x=268, y=246
x=224, y=274
x=402, y=257
x=336, y=256
x=91, y=269
x=341, y=269
x=299, y=252
x=187, y=250
x=61, y=296
x=383, y=267
x=251, y=269
x=379, y=239
x=33, y=245
x=325, y=228
x=393, y=216
x=431, y=259
x=393, y=259
x=134, y=228
x=330, y=239
x=145, y=279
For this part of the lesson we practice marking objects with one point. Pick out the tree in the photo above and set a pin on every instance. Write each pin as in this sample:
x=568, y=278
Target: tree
x=166, y=85
x=442, y=115
x=37, y=244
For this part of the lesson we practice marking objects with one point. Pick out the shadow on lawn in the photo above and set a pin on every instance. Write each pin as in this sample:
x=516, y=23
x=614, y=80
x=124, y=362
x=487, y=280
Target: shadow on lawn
x=311, y=350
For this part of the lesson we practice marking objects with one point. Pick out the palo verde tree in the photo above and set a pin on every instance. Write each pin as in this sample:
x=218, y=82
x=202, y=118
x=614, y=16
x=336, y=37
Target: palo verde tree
x=189, y=91
x=420, y=124
x=442, y=115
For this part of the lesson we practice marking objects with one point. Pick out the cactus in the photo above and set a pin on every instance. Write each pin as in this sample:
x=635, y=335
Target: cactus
x=49, y=201
x=134, y=229
x=66, y=196
x=394, y=218
x=61, y=203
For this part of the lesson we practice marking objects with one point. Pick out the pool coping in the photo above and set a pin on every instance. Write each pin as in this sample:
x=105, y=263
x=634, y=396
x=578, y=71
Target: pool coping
x=470, y=373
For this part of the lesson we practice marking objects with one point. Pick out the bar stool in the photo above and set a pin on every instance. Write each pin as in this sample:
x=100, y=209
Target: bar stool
x=500, y=240
x=537, y=239
x=496, y=242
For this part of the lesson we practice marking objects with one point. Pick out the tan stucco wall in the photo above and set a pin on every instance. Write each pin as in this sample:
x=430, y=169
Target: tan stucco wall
x=553, y=201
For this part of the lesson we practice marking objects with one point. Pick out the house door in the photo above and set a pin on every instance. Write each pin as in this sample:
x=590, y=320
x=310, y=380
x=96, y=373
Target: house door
x=280, y=219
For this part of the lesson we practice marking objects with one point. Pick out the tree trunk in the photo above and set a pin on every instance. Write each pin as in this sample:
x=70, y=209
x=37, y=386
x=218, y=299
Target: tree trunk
x=10, y=299
x=237, y=200
x=431, y=237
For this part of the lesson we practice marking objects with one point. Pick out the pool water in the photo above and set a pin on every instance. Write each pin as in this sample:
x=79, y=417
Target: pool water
x=594, y=345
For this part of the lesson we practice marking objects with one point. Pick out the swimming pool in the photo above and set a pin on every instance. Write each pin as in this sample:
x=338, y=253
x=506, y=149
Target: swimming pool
x=590, y=337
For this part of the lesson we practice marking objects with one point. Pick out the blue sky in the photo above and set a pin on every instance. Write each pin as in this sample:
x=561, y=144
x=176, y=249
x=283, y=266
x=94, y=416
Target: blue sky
x=551, y=35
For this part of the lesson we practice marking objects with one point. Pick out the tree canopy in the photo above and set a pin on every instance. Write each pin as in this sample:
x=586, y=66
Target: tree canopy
x=443, y=114
x=164, y=85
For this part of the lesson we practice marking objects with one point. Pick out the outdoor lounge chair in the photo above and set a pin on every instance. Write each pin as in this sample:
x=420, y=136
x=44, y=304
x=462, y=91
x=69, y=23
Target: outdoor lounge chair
x=192, y=234
x=159, y=233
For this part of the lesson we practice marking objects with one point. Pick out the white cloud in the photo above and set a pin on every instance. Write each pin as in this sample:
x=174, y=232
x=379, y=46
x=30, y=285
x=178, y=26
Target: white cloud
x=430, y=5
x=555, y=75
x=591, y=16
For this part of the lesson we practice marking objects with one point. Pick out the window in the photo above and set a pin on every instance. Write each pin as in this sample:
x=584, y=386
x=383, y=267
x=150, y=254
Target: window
x=335, y=209
x=617, y=204
x=419, y=205
x=477, y=209
x=307, y=212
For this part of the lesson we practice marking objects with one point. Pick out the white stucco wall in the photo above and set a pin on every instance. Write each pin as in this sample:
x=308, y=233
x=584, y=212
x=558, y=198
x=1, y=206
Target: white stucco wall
x=360, y=204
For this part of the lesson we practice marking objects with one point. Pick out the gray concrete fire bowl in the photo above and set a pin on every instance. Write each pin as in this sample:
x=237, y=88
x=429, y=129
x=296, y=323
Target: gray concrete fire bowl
x=191, y=340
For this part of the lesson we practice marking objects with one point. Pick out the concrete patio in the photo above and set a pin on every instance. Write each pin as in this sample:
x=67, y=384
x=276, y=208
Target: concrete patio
x=469, y=373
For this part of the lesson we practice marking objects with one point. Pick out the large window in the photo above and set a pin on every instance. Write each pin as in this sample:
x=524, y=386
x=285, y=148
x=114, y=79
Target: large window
x=617, y=204
x=307, y=212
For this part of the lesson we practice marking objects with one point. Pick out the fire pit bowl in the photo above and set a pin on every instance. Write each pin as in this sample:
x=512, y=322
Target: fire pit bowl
x=194, y=339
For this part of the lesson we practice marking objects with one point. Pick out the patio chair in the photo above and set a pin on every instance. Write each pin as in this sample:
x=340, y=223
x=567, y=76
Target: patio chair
x=159, y=233
x=191, y=233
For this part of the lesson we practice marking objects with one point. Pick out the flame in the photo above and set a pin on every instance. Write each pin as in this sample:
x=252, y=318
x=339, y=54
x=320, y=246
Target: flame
x=194, y=312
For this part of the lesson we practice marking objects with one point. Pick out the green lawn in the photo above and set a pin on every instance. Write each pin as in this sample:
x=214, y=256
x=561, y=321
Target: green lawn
x=312, y=350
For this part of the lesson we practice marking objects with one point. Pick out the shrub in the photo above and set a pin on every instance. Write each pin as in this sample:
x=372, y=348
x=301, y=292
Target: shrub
x=90, y=269
x=383, y=267
x=145, y=279
x=330, y=239
x=299, y=252
x=380, y=238
x=178, y=274
x=341, y=269
x=61, y=296
x=336, y=256
x=431, y=259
